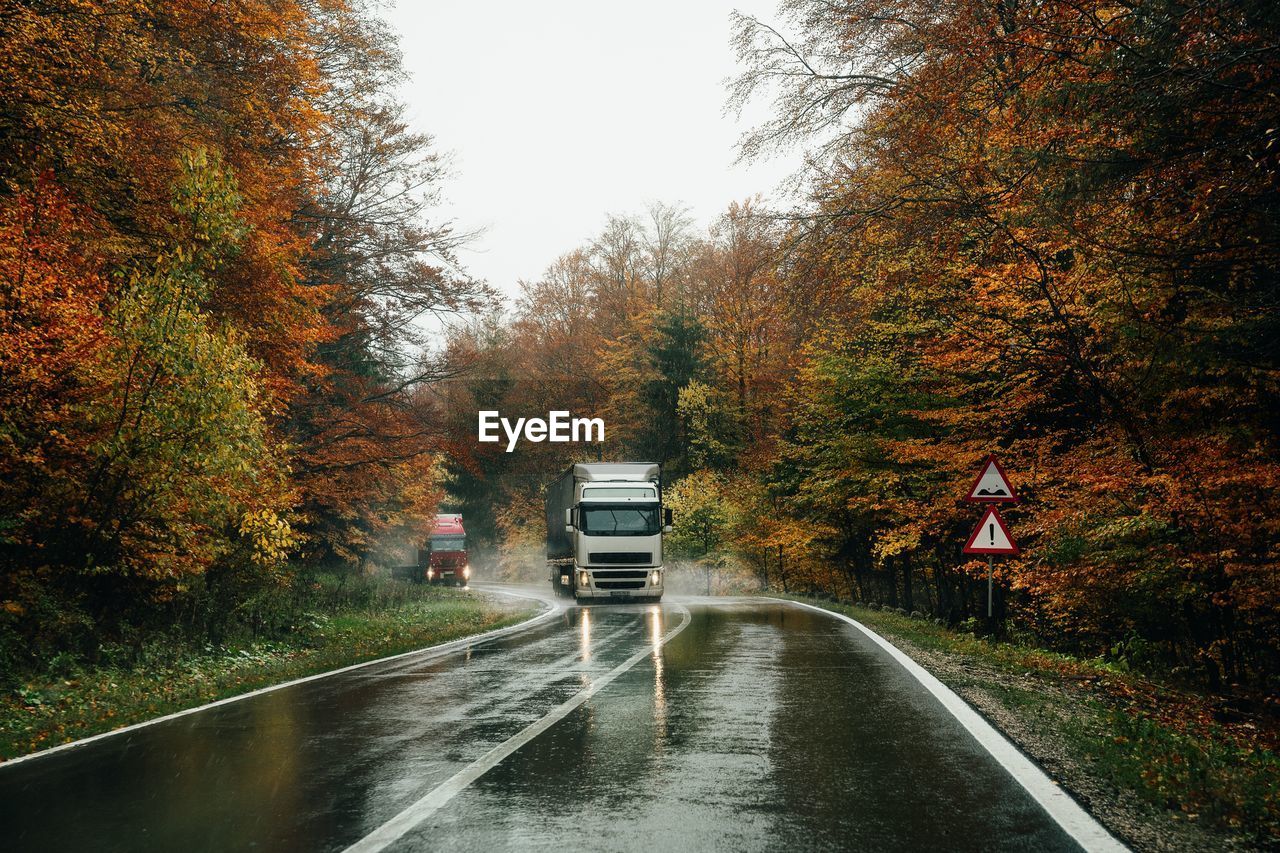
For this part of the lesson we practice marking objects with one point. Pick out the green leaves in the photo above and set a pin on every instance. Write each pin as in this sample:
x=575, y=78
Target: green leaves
x=207, y=202
x=702, y=515
x=711, y=426
x=184, y=452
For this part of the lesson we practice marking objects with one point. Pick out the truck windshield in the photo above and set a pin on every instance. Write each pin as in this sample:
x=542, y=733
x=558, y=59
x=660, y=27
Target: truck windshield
x=622, y=520
x=448, y=543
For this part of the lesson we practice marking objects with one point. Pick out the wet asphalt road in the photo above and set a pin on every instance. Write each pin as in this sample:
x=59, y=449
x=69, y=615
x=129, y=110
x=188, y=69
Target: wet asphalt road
x=757, y=726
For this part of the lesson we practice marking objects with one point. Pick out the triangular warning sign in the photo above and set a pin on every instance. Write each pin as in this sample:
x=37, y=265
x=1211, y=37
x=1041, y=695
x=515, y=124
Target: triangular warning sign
x=991, y=536
x=992, y=486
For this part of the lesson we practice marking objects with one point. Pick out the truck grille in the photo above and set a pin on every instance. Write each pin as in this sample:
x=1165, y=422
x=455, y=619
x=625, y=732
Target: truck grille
x=643, y=558
x=617, y=574
x=620, y=584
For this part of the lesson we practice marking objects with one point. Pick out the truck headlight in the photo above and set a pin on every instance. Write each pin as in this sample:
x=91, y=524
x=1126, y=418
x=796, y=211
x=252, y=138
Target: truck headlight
x=466, y=572
x=430, y=574
x=583, y=579
x=655, y=578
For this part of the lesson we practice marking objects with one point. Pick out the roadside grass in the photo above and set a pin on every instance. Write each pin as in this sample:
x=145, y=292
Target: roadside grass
x=1170, y=748
x=86, y=701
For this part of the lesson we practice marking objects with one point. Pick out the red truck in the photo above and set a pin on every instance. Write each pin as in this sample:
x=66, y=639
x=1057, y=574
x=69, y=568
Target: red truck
x=446, y=552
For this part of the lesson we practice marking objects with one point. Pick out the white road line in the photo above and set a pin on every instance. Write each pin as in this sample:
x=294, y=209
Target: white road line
x=526, y=683
x=415, y=814
x=1066, y=812
x=429, y=653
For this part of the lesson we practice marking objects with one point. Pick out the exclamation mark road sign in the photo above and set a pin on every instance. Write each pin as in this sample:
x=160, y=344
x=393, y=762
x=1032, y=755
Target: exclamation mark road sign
x=991, y=536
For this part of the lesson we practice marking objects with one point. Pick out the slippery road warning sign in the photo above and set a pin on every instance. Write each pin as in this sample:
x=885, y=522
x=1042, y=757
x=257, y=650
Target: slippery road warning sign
x=992, y=486
x=991, y=536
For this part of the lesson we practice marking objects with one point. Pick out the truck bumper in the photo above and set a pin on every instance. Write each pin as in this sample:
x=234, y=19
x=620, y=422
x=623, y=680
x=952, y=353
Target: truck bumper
x=450, y=575
x=595, y=584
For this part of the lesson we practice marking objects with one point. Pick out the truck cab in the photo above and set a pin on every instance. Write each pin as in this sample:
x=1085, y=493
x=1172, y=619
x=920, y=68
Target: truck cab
x=446, y=552
x=604, y=532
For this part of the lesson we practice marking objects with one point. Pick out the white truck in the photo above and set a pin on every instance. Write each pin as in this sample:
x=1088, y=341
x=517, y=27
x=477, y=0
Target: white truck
x=604, y=531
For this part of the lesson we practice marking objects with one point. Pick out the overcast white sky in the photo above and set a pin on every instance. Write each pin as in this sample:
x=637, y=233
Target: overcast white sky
x=562, y=111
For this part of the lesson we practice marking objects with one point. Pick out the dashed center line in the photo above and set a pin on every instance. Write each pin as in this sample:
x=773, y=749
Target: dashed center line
x=404, y=822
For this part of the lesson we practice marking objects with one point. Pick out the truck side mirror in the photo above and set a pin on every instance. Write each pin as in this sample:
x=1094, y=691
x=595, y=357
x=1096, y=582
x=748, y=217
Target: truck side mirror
x=568, y=519
x=667, y=515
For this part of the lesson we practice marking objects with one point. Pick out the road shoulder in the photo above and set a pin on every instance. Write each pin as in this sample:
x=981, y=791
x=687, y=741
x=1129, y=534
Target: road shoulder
x=93, y=705
x=1052, y=713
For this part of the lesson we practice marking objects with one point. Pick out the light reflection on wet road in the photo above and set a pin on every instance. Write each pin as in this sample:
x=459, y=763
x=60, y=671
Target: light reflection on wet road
x=760, y=726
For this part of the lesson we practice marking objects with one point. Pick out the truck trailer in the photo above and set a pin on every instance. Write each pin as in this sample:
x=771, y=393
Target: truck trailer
x=605, y=522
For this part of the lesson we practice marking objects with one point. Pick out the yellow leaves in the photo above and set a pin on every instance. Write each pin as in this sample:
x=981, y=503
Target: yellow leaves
x=270, y=536
x=895, y=541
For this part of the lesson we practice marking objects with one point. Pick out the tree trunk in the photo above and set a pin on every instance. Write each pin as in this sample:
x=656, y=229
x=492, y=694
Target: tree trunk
x=906, y=584
x=943, y=609
x=846, y=568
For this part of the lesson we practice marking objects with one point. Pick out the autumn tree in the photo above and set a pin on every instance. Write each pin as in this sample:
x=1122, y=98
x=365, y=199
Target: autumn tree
x=219, y=242
x=699, y=502
x=743, y=303
x=162, y=463
x=1083, y=201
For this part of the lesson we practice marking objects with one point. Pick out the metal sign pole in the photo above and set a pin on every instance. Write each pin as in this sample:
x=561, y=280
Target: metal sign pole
x=990, y=559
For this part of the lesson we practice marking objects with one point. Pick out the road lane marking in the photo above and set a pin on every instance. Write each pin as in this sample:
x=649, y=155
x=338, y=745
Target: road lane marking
x=411, y=817
x=1083, y=828
x=517, y=691
x=429, y=653
x=502, y=699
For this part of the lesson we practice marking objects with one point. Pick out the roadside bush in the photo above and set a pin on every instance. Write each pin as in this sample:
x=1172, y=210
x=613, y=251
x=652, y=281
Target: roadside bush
x=1206, y=778
x=225, y=606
